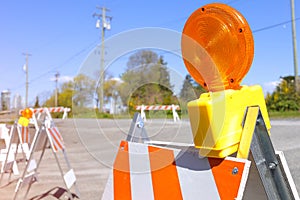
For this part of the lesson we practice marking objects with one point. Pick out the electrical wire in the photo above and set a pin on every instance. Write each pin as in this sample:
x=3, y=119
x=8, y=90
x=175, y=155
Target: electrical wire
x=274, y=25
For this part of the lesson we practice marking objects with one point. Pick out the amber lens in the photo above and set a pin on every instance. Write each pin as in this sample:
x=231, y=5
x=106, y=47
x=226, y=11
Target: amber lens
x=27, y=113
x=227, y=39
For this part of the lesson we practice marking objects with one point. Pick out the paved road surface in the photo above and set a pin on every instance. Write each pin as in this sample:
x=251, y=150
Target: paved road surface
x=91, y=146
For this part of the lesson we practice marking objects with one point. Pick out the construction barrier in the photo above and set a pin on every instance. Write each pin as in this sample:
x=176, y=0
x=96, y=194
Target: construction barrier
x=11, y=164
x=38, y=111
x=149, y=172
x=146, y=169
x=47, y=133
x=19, y=141
x=172, y=107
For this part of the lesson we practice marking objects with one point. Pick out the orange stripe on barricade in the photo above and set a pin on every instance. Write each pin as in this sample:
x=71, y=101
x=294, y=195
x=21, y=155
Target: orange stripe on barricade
x=121, y=174
x=25, y=134
x=56, y=139
x=227, y=175
x=58, y=135
x=165, y=179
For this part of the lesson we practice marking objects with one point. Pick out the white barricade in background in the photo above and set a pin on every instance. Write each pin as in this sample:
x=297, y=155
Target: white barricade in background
x=172, y=107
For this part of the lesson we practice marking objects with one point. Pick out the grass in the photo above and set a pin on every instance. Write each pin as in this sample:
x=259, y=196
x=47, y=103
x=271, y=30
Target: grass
x=284, y=115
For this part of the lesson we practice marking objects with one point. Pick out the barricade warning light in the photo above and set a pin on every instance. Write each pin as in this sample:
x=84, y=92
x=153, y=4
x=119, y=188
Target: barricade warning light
x=217, y=49
x=26, y=114
x=226, y=37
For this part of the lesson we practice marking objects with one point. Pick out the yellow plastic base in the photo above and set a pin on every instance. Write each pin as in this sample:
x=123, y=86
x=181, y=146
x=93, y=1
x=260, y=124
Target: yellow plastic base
x=216, y=119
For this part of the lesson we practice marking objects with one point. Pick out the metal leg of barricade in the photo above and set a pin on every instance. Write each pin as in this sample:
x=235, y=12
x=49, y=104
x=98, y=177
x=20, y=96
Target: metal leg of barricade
x=137, y=131
x=269, y=167
x=70, y=167
x=256, y=140
x=7, y=156
x=19, y=143
x=62, y=176
x=20, y=182
x=37, y=166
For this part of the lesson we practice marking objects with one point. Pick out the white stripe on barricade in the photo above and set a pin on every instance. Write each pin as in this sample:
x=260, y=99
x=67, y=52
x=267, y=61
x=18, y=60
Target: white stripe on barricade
x=140, y=179
x=143, y=171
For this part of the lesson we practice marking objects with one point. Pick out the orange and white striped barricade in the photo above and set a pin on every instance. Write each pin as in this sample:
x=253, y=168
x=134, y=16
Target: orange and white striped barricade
x=141, y=168
x=143, y=171
x=37, y=112
x=48, y=134
x=172, y=107
x=19, y=142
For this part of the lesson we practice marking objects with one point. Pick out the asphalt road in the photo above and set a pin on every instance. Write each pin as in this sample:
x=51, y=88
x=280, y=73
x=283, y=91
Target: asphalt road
x=91, y=146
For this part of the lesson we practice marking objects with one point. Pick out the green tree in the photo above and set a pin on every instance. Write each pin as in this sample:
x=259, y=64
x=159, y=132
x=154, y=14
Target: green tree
x=190, y=89
x=66, y=94
x=284, y=98
x=78, y=92
x=146, y=80
x=37, y=102
x=84, y=88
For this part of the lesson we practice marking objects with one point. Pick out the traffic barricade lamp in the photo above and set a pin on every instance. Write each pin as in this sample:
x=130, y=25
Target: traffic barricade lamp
x=218, y=49
x=26, y=115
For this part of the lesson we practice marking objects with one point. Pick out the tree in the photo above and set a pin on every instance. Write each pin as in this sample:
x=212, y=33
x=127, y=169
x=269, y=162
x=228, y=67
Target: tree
x=66, y=94
x=284, y=98
x=78, y=92
x=146, y=80
x=190, y=89
x=84, y=88
x=37, y=102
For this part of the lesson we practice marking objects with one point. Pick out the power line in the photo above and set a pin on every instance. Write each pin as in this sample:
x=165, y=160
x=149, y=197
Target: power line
x=64, y=62
x=60, y=65
x=274, y=25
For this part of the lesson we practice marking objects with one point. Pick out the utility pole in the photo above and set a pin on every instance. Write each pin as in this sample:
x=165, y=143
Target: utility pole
x=56, y=88
x=294, y=46
x=103, y=22
x=27, y=83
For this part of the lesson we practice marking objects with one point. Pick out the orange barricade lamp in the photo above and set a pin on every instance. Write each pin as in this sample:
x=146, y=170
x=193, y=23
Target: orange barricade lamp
x=218, y=49
x=26, y=114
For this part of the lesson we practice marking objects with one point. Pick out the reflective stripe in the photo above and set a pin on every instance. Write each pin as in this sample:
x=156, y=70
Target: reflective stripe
x=25, y=134
x=157, y=107
x=196, y=178
x=164, y=174
x=56, y=139
x=121, y=174
x=147, y=172
x=223, y=172
x=140, y=172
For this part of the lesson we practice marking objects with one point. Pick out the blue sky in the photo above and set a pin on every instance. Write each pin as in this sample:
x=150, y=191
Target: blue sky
x=61, y=35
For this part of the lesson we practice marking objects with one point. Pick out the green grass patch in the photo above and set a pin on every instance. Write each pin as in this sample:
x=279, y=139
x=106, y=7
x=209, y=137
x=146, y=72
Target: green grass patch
x=284, y=115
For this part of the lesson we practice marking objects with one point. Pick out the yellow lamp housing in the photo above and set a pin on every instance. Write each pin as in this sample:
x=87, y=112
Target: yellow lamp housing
x=216, y=119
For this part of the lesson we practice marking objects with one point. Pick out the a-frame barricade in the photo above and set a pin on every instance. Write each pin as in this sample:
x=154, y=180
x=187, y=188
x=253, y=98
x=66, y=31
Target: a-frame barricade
x=19, y=142
x=47, y=134
x=166, y=170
